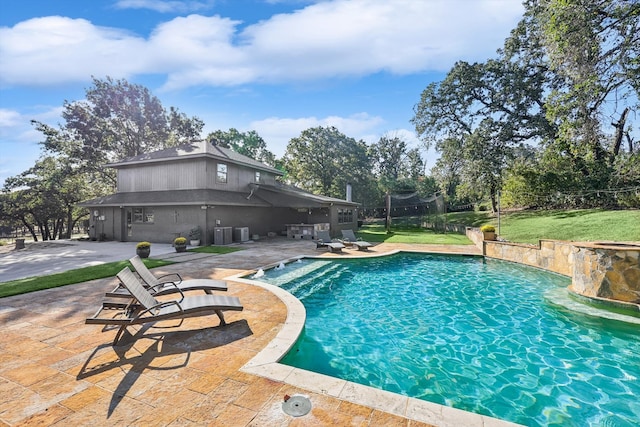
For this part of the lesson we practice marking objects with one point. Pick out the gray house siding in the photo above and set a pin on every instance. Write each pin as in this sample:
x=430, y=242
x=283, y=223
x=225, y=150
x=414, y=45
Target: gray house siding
x=162, y=195
x=187, y=174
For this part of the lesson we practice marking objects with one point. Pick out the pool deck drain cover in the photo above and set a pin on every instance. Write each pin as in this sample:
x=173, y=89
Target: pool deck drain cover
x=296, y=405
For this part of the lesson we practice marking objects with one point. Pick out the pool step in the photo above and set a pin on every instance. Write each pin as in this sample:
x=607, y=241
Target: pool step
x=330, y=275
x=294, y=271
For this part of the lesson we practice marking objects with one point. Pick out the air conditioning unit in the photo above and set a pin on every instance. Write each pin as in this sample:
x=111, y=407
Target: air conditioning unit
x=241, y=234
x=222, y=236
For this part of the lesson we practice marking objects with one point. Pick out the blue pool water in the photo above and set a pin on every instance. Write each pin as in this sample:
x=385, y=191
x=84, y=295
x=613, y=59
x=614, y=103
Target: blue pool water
x=480, y=335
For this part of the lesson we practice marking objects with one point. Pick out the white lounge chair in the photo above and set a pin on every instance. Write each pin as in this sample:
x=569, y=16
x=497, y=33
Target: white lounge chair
x=324, y=241
x=349, y=238
x=144, y=308
x=163, y=285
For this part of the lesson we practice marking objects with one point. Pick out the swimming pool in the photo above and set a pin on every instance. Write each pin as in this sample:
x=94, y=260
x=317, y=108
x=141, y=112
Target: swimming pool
x=475, y=334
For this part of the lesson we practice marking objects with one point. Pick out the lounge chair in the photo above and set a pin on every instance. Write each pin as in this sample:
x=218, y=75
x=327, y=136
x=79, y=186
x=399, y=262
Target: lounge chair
x=349, y=239
x=145, y=308
x=163, y=285
x=324, y=241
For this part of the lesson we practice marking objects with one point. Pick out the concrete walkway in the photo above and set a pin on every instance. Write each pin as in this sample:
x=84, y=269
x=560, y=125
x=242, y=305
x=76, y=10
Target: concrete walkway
x=56, y=370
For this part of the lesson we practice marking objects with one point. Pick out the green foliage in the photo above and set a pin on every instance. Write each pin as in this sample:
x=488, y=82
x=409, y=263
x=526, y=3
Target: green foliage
x=195, y=233
x=323, y=160
x=44, y=198
x=566, y=66
x=249, y=144
x=143, y=245
x=180, y=241
x=116, y=120
x=626, y=175
x=488, y=229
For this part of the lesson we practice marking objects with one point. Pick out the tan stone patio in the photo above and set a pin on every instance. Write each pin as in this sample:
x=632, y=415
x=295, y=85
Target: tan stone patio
x=56, y=370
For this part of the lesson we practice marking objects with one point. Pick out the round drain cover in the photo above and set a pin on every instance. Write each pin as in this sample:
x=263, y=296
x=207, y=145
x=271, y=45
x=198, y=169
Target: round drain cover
x=296, y=405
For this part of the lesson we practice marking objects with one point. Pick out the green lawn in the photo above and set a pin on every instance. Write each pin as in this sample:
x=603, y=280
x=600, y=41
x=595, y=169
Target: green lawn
x=575, y=225
x=376, y=233
x=79, y=275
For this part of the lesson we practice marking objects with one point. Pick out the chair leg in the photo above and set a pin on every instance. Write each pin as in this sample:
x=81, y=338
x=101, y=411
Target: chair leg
x=221, y=316
x=122, y=329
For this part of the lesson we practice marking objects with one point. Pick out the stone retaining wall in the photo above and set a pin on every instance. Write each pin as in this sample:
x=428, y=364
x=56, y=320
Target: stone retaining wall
x=598, y=270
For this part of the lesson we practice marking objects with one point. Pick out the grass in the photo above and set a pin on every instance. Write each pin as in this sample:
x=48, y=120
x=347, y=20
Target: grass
x=376, y=233
x=214, y=249
x=524, y=227
x=574, y=225
x=79, y=275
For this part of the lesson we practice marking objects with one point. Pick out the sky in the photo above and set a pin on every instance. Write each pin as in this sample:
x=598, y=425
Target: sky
x=277, y=67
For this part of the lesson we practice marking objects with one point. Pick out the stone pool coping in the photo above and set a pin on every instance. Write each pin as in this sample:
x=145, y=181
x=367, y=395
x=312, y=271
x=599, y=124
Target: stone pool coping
x=266, y=364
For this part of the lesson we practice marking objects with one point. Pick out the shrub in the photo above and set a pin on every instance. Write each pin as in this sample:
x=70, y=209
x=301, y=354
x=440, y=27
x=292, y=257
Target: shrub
x=143, y=245
x=194, y=233
x=488, y=228
x=180, y=241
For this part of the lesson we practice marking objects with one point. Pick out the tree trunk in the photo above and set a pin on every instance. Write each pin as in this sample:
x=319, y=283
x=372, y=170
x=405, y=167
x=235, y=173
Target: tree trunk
x=619, y=125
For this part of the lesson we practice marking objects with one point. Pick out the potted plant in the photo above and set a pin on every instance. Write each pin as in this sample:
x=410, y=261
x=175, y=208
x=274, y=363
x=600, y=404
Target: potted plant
x=143, y=249
x=180, y=243
x=488, y=232
x=194, y=236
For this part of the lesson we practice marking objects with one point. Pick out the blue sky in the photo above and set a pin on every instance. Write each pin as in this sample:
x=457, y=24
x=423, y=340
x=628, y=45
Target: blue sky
x=274, y=66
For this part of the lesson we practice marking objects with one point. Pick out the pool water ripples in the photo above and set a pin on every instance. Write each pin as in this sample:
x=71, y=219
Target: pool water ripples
x=472, y=333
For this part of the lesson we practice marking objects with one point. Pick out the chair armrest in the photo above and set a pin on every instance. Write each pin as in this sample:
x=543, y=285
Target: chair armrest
x=153, y=289
x=163, y=279
x=159, y=306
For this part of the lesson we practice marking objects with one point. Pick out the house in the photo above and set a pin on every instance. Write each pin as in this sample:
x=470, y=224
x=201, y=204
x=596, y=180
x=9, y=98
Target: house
x=164, y=194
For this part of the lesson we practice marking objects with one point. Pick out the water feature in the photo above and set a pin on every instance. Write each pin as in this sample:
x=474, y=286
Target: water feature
x=481, y=335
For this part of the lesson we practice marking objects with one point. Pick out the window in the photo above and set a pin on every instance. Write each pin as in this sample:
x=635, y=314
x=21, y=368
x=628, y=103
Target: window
x=257, y=176
x=345, y=216
x=221, y=176
x=142, y=215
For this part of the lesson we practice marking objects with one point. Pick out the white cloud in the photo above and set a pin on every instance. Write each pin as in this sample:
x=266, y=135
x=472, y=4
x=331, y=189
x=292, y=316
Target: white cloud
x=324, y=40
x=166, y=6
x=8, y=118
x=277, y=131
x=56, y=49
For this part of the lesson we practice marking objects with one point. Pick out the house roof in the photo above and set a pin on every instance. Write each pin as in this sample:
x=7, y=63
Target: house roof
x=193, y=149
x=286, y=195
x=257, y=195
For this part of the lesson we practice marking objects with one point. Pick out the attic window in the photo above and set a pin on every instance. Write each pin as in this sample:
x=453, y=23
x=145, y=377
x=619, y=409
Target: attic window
x=221, y=176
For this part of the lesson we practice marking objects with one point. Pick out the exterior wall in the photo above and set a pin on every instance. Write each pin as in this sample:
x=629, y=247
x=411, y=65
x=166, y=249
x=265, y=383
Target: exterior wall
x=598, y=270
x=105, y=223
x=173, y=221
x=187, y=174
x=260, y=221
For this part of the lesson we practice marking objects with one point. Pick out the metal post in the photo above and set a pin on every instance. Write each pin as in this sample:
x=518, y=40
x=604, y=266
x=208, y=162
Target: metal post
x=498, y=212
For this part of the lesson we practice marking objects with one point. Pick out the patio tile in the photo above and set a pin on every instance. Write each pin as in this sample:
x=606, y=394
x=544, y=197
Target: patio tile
x=29, y=374
x=47, y=417
x=84, y=398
